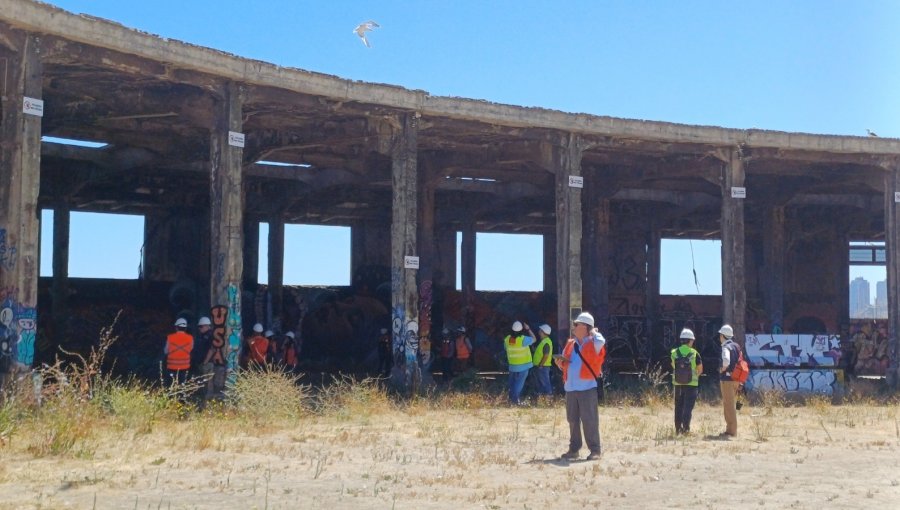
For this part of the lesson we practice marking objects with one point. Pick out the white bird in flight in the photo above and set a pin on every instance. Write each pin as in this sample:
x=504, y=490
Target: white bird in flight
x=361, y=30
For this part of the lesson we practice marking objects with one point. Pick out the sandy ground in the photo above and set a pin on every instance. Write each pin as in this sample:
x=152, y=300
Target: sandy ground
x=800, y=457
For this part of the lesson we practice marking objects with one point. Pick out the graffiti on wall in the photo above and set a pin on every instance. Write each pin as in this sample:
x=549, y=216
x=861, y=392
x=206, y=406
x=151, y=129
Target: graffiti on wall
x=868, y=347
x=825, y=381
x=219, y=316
x=793, y=350
x=425, y=302
x=18, y=329
x=7, y=252
x=234, y=325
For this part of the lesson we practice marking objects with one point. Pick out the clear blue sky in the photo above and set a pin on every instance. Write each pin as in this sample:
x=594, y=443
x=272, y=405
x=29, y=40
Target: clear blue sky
x=811, y=66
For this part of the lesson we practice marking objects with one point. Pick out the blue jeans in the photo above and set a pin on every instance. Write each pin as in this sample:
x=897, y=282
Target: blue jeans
x=516, y=383
x=543, y=381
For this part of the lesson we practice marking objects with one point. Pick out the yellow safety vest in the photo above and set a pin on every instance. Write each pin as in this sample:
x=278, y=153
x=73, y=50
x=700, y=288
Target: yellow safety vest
x=516, y=353
x=539, y=353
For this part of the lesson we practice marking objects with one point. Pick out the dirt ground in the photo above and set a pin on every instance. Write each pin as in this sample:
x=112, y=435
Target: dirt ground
x=818, y=456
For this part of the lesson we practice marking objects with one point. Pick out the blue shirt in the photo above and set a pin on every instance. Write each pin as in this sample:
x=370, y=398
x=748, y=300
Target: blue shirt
x=521, y=367
x=574, y=382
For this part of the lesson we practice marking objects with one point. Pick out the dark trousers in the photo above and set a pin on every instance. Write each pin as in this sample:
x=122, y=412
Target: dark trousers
x=582, y=413
x=685, y=397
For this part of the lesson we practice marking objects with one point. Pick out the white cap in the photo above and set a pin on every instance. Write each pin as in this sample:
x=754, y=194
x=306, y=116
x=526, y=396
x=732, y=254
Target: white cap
x=585, y=318
x=258, y=327
x=181, y=323
x=545, y=328
x=688, y=334
x=727, y=331
x=289, y=334
x=517, y=326
x=269, y=333
x=204, y=321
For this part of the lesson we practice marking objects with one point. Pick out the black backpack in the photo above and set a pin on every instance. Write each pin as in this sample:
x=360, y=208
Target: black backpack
x=684, y=372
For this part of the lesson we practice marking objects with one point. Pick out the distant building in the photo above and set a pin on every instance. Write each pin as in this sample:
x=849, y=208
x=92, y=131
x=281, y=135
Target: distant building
x=859, y=297
x=881, y=304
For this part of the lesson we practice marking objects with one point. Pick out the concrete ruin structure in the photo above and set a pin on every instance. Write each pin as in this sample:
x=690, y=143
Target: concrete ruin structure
x=187, y=126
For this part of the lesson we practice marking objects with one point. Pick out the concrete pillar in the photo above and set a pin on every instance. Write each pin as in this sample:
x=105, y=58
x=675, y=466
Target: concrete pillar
x=566, y=161
x=276, y=270
x=227, y=217
x=467, y=268
x=774, y=252
x=734, y=294
x=251, y=253
x=892, y=246
x=20, y=178
x=404, y=295
x=59, y=290
x=550, y=263
x=425, y=241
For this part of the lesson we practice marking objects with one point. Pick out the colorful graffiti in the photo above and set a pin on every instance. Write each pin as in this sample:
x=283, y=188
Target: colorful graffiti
x=26, y=318
x=868, y=347
x=793, y=350
x=8, y=252
x=825, y=381
x=219, y=316
x=425, y=303
x=234, y=325
x=18, y=328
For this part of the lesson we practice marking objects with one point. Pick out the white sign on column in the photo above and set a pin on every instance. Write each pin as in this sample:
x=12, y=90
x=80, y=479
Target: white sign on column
x=897, y=196
x=576, y=181
x=410, y=262
x=33, y=106
x=235, y=139
x=738, y=192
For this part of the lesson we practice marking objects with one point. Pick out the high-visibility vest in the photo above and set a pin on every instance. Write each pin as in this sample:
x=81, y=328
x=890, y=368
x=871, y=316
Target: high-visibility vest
x=539, y=353
x=678, y=352
x=258, y=348
x=516, y=353
x=462, y=350
x=178, y=350
x=594, y=359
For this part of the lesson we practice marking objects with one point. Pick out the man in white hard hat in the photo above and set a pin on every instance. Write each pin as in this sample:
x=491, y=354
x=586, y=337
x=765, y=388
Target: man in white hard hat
x=178, y=353
x=518, y=355
x=202, y=344
x=542, y=359
x=687, y=365
x=726, y=384
x=258, y=347
x=582, y=363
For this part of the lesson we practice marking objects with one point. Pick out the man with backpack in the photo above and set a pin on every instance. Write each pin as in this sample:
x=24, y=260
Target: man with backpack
x=732, y=358
x=581, y=363
x=687, y=367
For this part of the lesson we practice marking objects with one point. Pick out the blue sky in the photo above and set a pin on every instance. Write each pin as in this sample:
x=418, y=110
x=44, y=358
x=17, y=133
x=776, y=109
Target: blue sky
x=811, y=66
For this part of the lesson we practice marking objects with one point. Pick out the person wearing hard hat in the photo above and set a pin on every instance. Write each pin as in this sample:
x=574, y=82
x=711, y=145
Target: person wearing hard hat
x=291, y=351
x=543, y=359
x=463, y=348
x=519, y=357
x=202, y=344
x=726, y=384
x=582, y=363
x=259, y=347
x=686, y=369
x=178, y=353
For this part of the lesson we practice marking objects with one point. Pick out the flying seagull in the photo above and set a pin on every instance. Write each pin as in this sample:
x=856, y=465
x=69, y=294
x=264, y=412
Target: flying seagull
x=871, y=133
x=361, y=30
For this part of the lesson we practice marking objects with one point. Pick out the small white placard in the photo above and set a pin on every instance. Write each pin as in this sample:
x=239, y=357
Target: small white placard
x=33, y=106
x=576, y=181
x=411, y=262
x=897, y=196
x=738, y=192
x=235, y=139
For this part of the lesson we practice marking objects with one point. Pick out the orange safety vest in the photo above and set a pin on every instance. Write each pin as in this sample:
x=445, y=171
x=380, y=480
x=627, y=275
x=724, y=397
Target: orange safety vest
x=178, y=350
x=290, y=354
x=258, y=348
x=462, y=350
x=593, y=358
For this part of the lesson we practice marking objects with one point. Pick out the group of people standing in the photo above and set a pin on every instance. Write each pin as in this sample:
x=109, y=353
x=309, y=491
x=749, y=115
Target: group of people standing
x=265, y=349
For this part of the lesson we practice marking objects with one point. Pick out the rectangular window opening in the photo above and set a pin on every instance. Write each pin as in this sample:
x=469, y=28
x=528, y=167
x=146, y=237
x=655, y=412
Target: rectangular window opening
x=868, y=280
x=505, y=262
x=104, y=245
x=690, y=267
x=313, y=255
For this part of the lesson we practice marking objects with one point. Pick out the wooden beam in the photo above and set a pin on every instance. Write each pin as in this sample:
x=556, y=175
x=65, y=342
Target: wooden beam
x=227, y=218
x=734, y=295
x=404, y=295
x=20, y=178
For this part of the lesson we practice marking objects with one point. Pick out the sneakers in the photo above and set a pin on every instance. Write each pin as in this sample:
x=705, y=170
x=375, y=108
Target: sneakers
x=594, y=456
x=569, y=455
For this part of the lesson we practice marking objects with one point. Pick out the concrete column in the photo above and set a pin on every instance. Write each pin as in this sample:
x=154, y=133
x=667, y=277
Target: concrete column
x=227, y=217
x=567, y=162
x=467, y=268
x=734, y=294
x=20, y=178
x=251, y=253
x=892, y=246
x=774, y=247
x=59, y=291
x=550, y=263
x=276, y=269
x=404, y=295
x=425, y=241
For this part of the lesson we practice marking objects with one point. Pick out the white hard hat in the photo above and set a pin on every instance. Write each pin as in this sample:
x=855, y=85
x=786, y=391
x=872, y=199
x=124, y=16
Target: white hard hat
x=204, y=321
x=269, y=333
x=258, y=327
x=517, y=326
x=585, y=318
x=461, y=329
x=727, y=331
x=181, y=323
x=289, y=334
x=686, y=333
x=546, y=328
